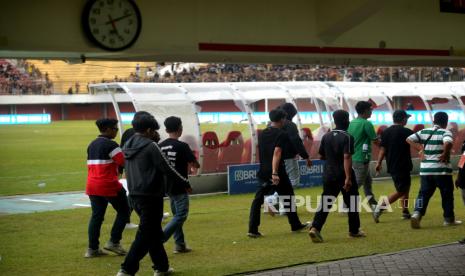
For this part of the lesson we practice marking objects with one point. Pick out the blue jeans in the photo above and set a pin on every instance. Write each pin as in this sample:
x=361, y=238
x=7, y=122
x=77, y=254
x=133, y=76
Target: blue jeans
x=180, y=209
x=428, y=186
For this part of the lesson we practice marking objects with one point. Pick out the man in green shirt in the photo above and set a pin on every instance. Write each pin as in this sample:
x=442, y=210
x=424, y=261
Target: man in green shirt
x=364, y=134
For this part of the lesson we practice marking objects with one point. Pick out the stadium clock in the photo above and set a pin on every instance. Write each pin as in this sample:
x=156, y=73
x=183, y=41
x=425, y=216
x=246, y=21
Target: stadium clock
x=113, y=25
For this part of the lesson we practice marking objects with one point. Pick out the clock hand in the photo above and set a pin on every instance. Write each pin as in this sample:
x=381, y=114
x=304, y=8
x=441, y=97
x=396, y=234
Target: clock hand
x=113, y=24
x=112, y=21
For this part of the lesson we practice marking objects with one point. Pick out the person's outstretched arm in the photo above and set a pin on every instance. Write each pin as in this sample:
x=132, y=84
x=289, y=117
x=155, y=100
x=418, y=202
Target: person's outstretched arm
x=275, y=165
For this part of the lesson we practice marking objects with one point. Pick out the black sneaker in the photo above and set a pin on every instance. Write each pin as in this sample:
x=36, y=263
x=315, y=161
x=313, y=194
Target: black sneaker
x=303, y=226
x=462, y=241
x=183, y=249
x=406, y=215
x=254, y=235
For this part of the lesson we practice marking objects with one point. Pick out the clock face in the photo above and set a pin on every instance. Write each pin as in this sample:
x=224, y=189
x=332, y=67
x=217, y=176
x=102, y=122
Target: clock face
x=112, y=24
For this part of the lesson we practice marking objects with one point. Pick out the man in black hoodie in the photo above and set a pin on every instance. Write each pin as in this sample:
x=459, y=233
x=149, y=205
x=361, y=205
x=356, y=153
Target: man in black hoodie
x=295, y=146
x=145, y=172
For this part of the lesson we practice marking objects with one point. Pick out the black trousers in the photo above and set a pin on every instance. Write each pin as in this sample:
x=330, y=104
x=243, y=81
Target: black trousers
x=332, y=189
x=149, y=237
x=284, y=189
x=99, y=206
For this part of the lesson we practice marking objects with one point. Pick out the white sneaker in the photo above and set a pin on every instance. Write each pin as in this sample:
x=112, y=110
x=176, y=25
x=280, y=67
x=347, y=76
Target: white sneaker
x=415, y=220
x=452, y=223
x=131, y=226
x=376, y=214
x=92, y=253
x=165, y=216
x=122, y=273
x=168, y=272
x=115, y=248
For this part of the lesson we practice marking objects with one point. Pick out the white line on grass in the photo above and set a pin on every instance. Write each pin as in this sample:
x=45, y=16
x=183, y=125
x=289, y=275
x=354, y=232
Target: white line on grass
x=81, y=205
x=40, y=175
x=36, y=200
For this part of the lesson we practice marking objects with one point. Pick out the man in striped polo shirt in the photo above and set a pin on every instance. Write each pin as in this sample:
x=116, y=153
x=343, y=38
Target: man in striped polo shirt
x=434, y=145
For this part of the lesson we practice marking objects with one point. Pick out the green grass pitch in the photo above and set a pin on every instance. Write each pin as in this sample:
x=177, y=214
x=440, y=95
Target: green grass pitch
x=53, y=243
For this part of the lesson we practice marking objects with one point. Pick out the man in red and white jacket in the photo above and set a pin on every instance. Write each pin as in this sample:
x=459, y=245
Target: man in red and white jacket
x=104, y=157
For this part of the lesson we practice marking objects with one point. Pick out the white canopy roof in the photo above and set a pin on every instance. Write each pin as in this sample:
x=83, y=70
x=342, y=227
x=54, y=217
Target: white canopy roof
x=169, y=93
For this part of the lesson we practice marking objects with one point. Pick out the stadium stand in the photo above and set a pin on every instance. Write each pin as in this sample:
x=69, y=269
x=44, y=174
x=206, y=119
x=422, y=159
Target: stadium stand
x=77, y=76
x=62, y=77
x=190, y=72
x=18, y=77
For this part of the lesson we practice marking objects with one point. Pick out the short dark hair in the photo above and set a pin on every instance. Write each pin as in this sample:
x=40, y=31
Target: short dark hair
x=142, y=122
x=340, y=117
x=172, y=124
x=362, y=106
x=441, y=118
x=277, y=114
x=140, y=113
x=290, y=109
x=104, y=123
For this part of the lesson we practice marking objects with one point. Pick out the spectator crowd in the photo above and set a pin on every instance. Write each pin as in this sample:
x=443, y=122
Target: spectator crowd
x=18, y=77
x=181, y=72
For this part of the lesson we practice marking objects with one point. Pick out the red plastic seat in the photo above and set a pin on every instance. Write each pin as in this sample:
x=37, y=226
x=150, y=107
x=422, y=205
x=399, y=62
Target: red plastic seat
x=230, y=152
x=416, y=128
x=458, y=141
x=307, y=140
x=210, y=144
x=457, y=144
x=247, y=153
x=375, y=148
x=317, y=141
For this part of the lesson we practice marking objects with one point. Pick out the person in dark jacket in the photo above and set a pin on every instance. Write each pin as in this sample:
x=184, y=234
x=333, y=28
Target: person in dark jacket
x=337, y=148
x=272, y=174
x=145, y=172
x=127, y=134
x=103, y=158
x=295, y=147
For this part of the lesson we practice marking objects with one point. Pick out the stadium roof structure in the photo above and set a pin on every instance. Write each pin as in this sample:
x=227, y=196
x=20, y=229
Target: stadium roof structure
x=356, y=32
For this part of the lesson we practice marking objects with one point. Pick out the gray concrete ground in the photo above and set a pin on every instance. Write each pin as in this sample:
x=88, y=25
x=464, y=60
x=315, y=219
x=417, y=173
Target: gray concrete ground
x=447, y=259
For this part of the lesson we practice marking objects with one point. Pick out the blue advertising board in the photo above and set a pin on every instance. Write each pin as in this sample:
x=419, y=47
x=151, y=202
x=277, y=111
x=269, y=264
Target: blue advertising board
x=25, y=119
x=243, y=178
